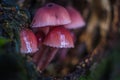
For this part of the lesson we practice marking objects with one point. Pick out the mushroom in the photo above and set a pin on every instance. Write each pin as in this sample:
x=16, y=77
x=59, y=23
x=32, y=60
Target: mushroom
x=77, y=20
x=28, y=41
x=40, y=37
x=58, y=37
x=48, y=16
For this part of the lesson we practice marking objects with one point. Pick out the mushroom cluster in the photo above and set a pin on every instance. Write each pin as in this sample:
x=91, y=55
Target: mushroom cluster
x=50, y=25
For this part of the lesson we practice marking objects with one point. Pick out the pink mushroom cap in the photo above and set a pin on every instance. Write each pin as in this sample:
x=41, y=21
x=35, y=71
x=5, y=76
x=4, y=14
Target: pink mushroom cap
x=59, y=37
x=28, y=41
x=51, y=15
x=77, y=20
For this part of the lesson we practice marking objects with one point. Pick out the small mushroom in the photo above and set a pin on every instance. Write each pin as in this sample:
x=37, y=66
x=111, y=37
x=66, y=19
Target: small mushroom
x=51, y=15
x=77, y=20
x=58, y=37
x=28, y=41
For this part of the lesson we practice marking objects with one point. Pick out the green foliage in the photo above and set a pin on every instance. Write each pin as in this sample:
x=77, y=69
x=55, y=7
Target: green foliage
x=3, y=41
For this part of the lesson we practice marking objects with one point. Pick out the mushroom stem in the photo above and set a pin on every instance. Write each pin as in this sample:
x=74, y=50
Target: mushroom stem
x=39, y=54
x=63, y=54
x=47, y=58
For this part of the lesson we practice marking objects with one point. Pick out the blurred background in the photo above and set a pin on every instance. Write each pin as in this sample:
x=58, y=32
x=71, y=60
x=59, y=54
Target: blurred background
x=97, y=47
